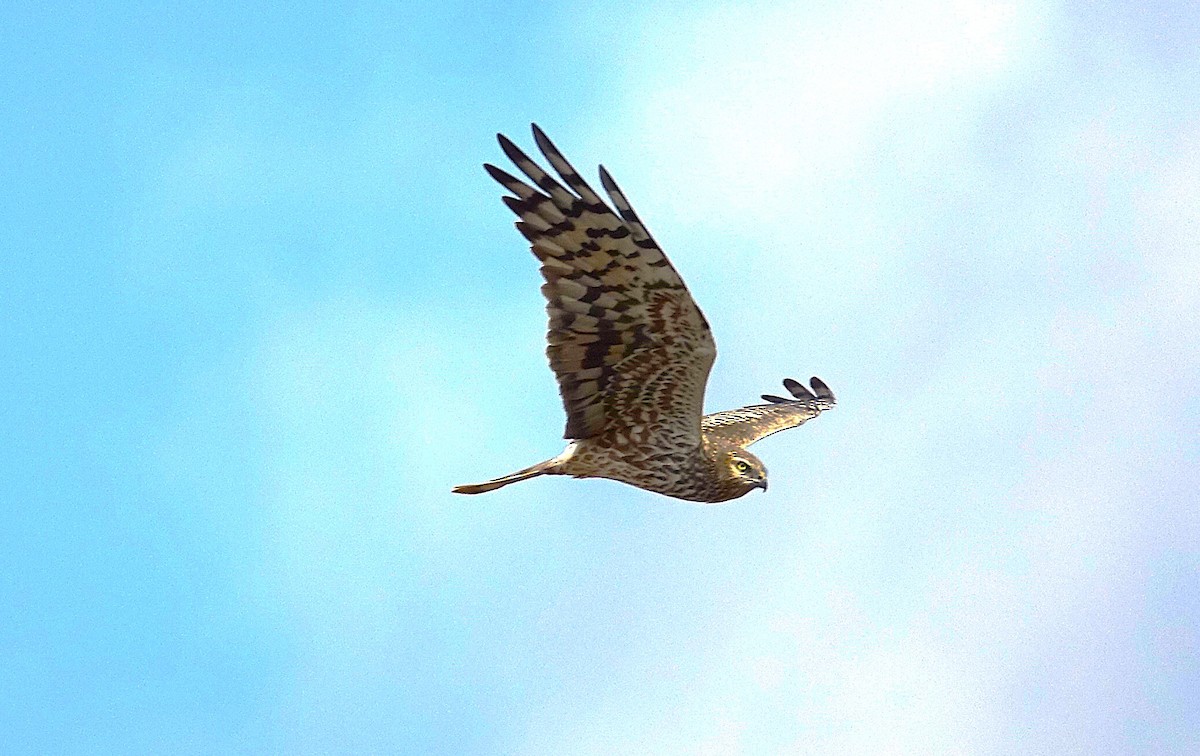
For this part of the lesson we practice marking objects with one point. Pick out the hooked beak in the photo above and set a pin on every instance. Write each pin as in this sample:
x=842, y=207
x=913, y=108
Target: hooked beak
x=761, y=484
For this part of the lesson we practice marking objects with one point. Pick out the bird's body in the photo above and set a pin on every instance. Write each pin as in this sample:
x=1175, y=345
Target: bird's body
x=631, y=350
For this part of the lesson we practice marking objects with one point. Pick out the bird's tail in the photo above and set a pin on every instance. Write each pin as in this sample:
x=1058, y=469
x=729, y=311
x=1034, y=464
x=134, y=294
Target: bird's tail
x=541, y=468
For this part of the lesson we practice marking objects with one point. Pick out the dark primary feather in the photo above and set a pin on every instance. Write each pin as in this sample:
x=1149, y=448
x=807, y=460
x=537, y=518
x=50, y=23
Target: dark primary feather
x=624, y=208
x=624, y=336
x=746, y=425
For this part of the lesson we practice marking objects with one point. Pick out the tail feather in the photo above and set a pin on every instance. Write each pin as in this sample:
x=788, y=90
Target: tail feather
x=541, y=468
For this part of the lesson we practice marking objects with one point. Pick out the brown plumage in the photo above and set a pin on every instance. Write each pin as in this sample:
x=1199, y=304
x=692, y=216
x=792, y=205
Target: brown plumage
x=631, y=350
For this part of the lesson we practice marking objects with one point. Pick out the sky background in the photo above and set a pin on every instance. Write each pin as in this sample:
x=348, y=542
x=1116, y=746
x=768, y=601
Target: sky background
x=260, y=308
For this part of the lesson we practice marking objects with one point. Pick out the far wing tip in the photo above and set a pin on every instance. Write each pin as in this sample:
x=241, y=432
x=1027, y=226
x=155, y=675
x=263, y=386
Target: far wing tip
x=797, y=389
x=822, y=391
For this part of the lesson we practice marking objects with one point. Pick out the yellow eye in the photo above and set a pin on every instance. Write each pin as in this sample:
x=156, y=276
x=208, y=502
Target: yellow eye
x=741, y=466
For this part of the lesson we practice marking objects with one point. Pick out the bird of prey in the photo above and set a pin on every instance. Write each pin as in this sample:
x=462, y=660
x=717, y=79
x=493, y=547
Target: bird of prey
x=630, y=349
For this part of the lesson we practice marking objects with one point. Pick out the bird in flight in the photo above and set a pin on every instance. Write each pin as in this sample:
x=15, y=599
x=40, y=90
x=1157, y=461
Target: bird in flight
x=630, y=349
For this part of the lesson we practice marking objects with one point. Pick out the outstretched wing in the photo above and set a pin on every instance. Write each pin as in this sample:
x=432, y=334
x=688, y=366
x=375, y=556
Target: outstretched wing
x=749, y=424
x=629, y=347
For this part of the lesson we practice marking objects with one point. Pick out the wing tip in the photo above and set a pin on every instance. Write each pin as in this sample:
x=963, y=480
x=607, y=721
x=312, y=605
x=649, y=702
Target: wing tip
x=797, y=389
x=606, y=180
x=516, y=205
x=497, y=173
x=821, y=390
x=512, y=151
x=543, y=142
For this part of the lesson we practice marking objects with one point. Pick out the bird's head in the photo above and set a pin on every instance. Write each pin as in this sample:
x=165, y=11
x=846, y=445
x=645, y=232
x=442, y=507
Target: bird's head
x=745, y=472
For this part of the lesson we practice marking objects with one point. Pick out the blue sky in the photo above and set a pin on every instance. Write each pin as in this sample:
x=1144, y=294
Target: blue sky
x=262, y=309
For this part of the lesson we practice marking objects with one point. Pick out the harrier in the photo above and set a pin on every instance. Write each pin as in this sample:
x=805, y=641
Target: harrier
x=631, y=350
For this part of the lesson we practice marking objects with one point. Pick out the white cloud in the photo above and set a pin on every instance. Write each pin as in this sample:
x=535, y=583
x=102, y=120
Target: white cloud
x=756, y=110
x=1168, y=232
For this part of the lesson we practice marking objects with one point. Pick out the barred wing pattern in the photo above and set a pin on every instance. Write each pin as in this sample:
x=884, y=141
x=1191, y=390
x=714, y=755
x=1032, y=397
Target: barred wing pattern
x=630, y=349
x=744, y=426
